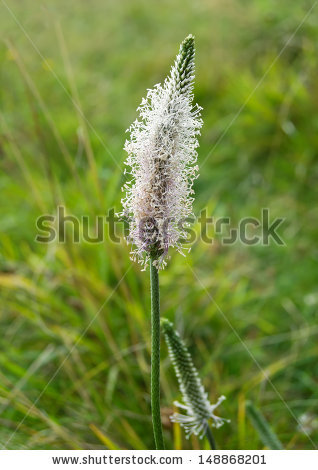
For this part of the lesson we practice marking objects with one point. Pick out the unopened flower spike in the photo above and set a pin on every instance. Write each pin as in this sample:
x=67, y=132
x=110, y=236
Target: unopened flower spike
x=198, y=410
x=162, y=156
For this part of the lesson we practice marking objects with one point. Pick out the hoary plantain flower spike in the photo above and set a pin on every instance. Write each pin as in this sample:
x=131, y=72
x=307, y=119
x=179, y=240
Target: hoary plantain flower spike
x=161, y=157
x=196, y=404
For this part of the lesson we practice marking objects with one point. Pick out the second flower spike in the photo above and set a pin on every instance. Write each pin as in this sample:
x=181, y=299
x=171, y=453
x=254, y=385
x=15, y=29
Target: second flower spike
x=198, y=410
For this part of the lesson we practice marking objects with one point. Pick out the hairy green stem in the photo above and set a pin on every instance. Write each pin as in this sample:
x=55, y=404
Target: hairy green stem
x=155, y=356
x=210, y=438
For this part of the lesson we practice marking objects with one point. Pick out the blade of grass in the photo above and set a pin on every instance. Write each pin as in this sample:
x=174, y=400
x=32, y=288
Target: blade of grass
x=264, y=430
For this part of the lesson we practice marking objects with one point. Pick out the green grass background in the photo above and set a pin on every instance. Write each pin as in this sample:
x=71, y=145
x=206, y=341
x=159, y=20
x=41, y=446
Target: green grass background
x=102, y=56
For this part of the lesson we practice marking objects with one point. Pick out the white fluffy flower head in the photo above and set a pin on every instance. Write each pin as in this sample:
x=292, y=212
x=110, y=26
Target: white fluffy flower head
x=162, y=159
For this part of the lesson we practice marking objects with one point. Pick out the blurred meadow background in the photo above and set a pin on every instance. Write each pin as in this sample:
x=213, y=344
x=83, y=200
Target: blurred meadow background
x=72, y=76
